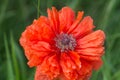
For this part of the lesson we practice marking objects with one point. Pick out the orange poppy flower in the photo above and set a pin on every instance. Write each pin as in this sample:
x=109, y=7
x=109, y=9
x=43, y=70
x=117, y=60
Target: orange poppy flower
x=62, y=46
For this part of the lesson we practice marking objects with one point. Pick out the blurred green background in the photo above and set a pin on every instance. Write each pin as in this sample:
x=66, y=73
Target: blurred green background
x=15, y=15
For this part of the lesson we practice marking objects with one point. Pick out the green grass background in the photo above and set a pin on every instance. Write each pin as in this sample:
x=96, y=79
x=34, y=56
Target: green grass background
x=15, y=15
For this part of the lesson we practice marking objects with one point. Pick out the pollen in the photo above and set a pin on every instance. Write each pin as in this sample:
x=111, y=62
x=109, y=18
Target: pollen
x=65, y=42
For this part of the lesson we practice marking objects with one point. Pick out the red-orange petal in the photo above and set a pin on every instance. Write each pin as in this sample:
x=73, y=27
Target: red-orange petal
x=98, y=51
x=36, y=55
x=53, y=17
x=76, y=59
x=34, y=61
x=95, y=39
x=76, y=22
x=35, y=40
x=66, y=16
x=68, y=67
x=43, y=29
x=50, y=66
x=97, y=64
x=39, y=75
x=85, y=71
x=90, y=46
x=85, y=27
x=41, y=46
x=39, y=30
x=90, y=58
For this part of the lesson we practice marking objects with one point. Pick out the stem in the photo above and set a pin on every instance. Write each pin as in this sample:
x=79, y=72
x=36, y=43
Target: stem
x=108, y=10
x=38, y=9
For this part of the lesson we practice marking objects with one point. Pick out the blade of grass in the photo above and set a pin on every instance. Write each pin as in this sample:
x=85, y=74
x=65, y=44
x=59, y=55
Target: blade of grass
x=3, y=10
x=10, y=74
x=110, y=6
x=14, y=58
x=106, y=70
x=21, y=60
x=22, y=8
x=95, y=75
x=116, y=76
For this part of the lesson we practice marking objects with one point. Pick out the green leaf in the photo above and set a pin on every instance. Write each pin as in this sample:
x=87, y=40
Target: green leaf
x=10, y=74
x=21, y=60
x=3, y=10
x=116, y=76
x=14, y=58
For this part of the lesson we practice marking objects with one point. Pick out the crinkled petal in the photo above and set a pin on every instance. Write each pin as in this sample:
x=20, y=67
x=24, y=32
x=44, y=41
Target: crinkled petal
x=98, y=51
x=39, y=30
x=66, y=16
x=85, y=27
x=36, y=52
x=53, y=17
x=39, y=75
x=35, y=61
x=76, y=22
x=36, y=40
x=44, y=47
x=50, y=66
x=91, y=47
x=85, y=71
x=68, y=67
x=41, y=46
x=76, y=59
x=90, y=58
x=95, y=39
x=97, y=64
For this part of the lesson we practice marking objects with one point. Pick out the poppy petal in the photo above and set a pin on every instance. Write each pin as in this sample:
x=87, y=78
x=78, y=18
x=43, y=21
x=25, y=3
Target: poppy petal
x=41, y=46
x=39, y=75
x=38, y=31
x=35, y=39
x=90, y=46
x=85, y=26
x=36, y=52
x=91, y=51
x=97, y=64
x=95, y=39
x=31, y=50
x=66, y=16
x=53, y=17
x=35, y=61
x=90, y=58
x=50, y=66
x=68, y=67
x=76, y=58
x=76, y=22
x=85, y=70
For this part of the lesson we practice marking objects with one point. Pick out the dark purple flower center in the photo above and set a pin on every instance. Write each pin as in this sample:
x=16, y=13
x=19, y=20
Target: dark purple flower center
x=65, y=42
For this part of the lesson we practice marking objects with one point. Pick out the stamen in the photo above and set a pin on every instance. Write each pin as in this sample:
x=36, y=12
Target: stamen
x=65, y=42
